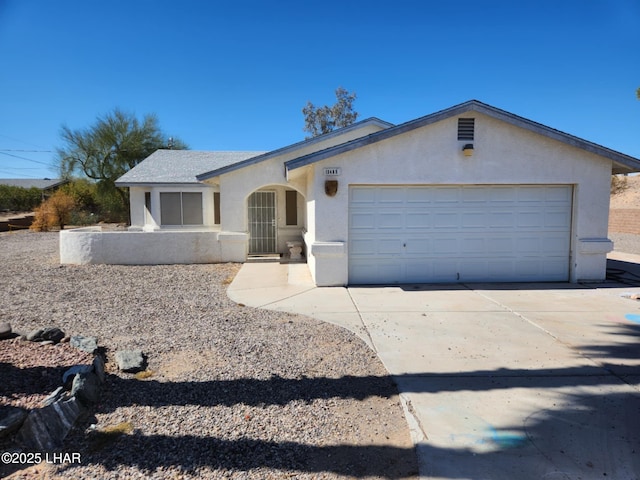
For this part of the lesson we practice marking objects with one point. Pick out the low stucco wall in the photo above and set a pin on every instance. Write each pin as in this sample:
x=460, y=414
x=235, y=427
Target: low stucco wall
x=92, y=245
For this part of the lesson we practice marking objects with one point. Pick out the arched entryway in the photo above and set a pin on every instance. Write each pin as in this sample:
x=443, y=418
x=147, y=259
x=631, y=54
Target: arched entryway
x=276, y=214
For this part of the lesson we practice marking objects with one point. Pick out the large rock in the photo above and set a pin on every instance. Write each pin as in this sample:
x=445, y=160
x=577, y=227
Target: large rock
x=11, y=418
x=72, y=371
x=86, y=388
x=45, y=428
x=53, y=334
x=86, y=344
x=35, y=335
x=130, y=361
x=5, y=330
x=98, y=368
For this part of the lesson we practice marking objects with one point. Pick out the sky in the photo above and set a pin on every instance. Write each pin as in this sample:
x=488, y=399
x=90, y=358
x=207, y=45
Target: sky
x=235, y=75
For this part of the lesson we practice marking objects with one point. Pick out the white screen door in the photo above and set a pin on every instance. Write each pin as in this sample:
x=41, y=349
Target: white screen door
x=262, y=222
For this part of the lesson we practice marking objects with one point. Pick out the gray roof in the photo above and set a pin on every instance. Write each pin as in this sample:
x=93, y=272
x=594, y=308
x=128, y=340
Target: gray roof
x=205, y=174
x=622, y=163
x=179, y=166
x=42, y=184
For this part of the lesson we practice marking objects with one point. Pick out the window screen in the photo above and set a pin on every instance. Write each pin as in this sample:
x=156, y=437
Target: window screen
x=191, y=208
x=181, y=208
x=170, y=208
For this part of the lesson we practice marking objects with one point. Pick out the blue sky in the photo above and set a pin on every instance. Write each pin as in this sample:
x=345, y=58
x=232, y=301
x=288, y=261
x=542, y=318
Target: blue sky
x=234, y=75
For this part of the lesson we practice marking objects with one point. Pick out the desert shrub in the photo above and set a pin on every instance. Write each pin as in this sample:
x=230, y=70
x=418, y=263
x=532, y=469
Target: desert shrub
x=53, y=212
x=618, y=184
x=19, y=199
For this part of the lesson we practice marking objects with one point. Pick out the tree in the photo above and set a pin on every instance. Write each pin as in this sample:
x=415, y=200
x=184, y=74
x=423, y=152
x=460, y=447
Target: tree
x=320, y=120
x=638, y=93
x=109, y=148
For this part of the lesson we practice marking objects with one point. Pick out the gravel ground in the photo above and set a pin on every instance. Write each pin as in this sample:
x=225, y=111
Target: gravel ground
x=625, y=242
x=235, y=392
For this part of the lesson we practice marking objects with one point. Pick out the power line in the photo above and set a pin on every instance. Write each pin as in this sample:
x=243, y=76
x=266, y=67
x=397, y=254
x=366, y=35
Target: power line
x=21, y=141
x=27, y=159
x=30, y=151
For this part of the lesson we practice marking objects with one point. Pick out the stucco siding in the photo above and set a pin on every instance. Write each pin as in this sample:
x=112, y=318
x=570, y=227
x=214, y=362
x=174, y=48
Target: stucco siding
x=503, y=154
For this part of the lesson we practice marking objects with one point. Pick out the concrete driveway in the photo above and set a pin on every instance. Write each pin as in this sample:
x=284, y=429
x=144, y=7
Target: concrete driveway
x=498, y=381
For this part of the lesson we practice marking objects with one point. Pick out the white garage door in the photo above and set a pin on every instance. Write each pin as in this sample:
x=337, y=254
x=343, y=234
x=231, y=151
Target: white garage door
x=446, y=234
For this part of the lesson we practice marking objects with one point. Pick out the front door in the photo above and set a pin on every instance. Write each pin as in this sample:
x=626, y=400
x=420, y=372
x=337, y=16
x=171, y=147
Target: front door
x=262, y=222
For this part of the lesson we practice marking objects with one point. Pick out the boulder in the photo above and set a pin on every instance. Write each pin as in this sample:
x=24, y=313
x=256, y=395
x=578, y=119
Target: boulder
x=53, y=334
x=49, y=334
x=35, y=335
x=5, y=330
x=98, y=368
x=68, y=375
x=86, y=388
x=46, y=428
x=130, y=361
x=54, y=397
x=11, y=419
x=86, y=344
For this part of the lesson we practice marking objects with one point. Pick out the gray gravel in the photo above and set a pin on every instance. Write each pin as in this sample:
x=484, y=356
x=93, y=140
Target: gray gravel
x=625, y=242
x=235, y=392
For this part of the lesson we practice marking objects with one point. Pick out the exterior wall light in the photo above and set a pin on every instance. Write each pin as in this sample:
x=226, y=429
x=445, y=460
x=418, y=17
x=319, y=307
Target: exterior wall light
x=468, y=149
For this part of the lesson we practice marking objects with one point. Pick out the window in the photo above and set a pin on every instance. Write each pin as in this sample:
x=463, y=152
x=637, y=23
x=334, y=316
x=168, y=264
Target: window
x=181, y=208
x=465, y=128
x=216, y=208
x=292, y=207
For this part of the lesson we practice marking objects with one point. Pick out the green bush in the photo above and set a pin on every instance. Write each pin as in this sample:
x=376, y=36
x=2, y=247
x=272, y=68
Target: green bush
x=19, y=199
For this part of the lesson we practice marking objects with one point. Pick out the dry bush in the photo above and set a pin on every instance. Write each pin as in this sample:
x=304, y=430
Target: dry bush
x=618, y=184
x=53, y=212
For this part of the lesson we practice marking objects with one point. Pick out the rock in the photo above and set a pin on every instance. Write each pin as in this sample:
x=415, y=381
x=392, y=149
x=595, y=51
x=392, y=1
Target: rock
x=46, y=342
x=98, y=368
x=45, y=428
x=68, y=375
x=130, y=361
x=11, y=419
x=53, y=334
x=35, y=335
x=86, y=388
x=5, y=330
x=55, y=396
x=86, y=344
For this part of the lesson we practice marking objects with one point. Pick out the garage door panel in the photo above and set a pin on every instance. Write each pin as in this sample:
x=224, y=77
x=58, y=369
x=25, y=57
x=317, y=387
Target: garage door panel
x=448, y=219
x=406, y=234
x=390, y=220
x=558, y=219
x=363, y=196
x=418, y=246
x=363, y=220
x=390, y=247
x=445, y=195
x=473, y=246
x=415, y=220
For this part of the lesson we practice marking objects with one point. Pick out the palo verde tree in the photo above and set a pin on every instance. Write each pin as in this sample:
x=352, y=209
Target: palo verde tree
x=114, y=144
x=320, y=120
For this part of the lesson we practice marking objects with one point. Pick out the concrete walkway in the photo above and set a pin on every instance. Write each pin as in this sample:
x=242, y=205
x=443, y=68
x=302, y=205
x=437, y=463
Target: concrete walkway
x=498, y=381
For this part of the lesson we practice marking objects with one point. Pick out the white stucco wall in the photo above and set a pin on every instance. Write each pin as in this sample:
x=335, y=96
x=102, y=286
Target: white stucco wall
x=92, y=245
x=504, y=154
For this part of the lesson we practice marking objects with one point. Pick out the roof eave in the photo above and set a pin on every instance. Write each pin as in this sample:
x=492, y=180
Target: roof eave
x=629, y=164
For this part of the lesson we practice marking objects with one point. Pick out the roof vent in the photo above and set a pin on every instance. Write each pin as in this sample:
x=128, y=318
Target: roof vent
x=465, y=128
